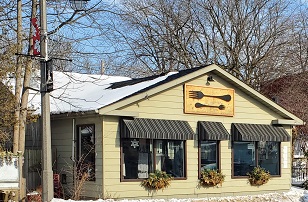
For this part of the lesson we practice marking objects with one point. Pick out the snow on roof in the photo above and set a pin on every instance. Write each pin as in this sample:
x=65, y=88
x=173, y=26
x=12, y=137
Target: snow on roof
x=75, y=92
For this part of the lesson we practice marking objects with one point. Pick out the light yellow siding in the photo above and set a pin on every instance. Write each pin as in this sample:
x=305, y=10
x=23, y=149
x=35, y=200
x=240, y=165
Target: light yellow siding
x=169, y=105
x=62, y=141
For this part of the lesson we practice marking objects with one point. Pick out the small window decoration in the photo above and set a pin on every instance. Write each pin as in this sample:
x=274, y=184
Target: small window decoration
x=135, y=143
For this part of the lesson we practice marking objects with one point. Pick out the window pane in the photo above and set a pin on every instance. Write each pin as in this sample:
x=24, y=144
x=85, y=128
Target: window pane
x=86, y=155
x=244, y=158
x=137, y=158
x=170, y=157
x=209, y=155
x=268, y=156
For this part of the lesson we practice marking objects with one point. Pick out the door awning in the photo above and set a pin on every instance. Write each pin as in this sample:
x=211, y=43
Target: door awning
x=156, y=129
x=258, y=132
x=208, y=130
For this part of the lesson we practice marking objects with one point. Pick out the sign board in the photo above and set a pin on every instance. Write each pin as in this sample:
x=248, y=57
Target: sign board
x=285, y=157
x=9, y=173
x=208, y=100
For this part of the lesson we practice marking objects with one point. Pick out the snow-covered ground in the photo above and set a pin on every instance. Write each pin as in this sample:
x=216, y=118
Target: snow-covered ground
x=294, y=195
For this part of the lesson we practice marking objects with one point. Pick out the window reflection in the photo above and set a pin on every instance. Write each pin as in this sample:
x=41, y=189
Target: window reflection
x=209, y=155
x=86, y=151
x=268, y=154
x=244, y=157
x=170, y=157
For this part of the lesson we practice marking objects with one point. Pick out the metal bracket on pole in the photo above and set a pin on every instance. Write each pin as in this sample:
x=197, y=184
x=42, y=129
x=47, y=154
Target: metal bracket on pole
x=47, y=84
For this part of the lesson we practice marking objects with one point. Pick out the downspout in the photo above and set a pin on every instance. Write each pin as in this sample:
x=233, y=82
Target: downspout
x=73, y=150
x=103, y=161
x=73, y=140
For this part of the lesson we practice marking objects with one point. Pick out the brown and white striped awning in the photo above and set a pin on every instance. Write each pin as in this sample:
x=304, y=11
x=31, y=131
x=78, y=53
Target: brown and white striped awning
x=156, y=129
x=209, y=130
x=259, y=132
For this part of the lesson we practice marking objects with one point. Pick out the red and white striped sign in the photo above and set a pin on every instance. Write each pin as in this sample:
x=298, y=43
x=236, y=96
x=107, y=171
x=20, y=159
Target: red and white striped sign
x=35, y=37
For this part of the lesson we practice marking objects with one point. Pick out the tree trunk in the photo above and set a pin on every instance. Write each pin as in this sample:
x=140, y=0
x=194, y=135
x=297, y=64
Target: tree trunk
x=18, y=71
x=22, y=94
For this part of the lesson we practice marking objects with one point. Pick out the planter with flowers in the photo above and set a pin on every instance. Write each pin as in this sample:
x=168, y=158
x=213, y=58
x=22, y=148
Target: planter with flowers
x=258, y=176
x=157, y=180
x=210, y=177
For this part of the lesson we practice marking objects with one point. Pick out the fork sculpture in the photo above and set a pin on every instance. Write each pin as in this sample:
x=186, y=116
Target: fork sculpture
x=199, y=95
x=199, y=105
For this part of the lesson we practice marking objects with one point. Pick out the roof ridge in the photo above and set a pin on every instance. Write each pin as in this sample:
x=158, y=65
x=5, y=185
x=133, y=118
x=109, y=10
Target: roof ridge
x=133, y=81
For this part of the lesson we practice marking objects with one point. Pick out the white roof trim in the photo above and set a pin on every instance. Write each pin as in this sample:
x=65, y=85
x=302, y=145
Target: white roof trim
x=122, y=113
x=285, y=122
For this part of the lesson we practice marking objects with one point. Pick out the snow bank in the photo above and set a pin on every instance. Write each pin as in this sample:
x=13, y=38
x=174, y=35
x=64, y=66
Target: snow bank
x=294, y=195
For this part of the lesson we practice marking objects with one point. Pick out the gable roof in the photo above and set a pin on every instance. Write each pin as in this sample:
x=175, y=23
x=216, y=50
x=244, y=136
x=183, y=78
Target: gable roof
x=190, y=74
x=100, y=93
x=75, y=92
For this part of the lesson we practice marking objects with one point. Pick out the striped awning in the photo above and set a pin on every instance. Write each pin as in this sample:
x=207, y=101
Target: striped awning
x=259, y=132
x=156, y=129
x=209, y=130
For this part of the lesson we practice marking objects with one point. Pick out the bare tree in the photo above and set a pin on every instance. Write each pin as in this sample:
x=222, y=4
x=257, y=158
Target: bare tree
x=247, y=38
x=157, y=34
x=24, y=65
x=247, y=35
x=298, y=52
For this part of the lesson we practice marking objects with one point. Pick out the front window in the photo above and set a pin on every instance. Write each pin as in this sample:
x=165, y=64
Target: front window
x=139, y=160
x=209, y=154
x=170, y=157
x=247, y=155
x=244, y=157
x=268, y=153
x=86, y=151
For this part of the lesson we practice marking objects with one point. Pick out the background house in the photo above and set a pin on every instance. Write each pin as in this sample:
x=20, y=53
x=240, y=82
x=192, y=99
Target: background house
x=118, y=130
x=291, y=92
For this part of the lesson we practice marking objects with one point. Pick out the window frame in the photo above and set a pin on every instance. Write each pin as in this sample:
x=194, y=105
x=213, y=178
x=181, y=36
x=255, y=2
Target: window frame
x=152, y=141
x=78, y=149
x=218, y=155
x=256, y=144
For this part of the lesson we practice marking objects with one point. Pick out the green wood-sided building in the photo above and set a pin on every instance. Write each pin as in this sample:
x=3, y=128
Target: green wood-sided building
x=165, y=123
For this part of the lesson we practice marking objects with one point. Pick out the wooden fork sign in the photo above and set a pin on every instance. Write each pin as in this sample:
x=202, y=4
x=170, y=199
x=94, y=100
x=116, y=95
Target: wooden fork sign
x=208, y=100
x=200, y=95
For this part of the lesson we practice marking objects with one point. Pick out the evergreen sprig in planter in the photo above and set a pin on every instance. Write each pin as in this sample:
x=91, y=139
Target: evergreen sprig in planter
x=8, y=156
x=258, y=176
x=5, y=155
x=211, y=177
x=157, y=180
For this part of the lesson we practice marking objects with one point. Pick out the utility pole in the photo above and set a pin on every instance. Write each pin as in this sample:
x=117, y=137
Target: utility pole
x=46, y=87
x=47, y=180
